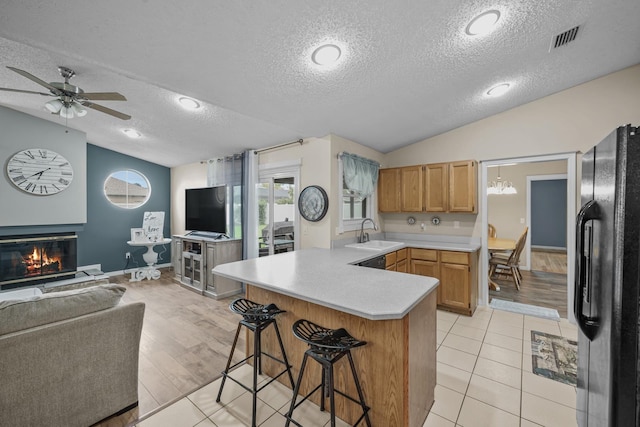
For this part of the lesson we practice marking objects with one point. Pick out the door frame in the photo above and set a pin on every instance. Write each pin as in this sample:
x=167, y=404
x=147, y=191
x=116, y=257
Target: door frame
x=570, y=158
x=530, y=179
x=286, y=169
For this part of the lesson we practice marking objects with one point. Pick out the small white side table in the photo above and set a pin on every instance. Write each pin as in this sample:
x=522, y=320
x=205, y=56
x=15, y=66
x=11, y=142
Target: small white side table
x=150, y=257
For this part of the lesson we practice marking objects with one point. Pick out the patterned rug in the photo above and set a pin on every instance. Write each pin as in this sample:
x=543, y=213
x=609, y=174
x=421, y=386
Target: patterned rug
x=554, y=357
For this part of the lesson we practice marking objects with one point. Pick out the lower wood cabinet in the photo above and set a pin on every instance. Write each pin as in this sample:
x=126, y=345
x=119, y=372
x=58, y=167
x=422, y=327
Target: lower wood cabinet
x=457, y=272
x=397, y=261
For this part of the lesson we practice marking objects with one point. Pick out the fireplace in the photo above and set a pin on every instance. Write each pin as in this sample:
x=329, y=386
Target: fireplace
x=28, y=260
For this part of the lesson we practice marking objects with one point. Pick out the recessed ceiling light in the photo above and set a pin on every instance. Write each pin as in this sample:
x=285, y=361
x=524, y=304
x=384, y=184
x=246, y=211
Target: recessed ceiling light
x=498, y=90
x=132, y=133
x=483, y=23
x=326, y=54
x=188, y=103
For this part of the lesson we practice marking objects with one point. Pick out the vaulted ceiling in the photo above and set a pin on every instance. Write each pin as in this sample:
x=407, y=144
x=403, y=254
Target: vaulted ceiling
x=408, y=69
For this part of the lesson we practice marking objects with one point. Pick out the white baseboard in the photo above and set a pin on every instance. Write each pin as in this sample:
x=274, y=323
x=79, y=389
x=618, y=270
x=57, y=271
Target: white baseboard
x=90, y=267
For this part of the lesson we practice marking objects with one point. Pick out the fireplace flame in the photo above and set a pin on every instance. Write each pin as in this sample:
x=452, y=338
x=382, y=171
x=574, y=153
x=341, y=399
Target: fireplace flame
x=37, y=264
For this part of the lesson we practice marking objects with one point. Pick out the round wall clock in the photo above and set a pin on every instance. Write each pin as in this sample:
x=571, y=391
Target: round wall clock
x=313, y=203
x=39, y=171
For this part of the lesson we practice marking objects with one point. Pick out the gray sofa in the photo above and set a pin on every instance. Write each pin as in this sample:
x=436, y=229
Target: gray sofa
x=68, y=358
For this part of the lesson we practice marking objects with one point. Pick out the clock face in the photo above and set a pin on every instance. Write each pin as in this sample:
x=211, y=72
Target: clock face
x=313, y=203
x=39, y=171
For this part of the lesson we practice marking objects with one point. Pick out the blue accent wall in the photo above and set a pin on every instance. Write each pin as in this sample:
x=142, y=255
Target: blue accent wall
x=103, y=239
x=549, y=213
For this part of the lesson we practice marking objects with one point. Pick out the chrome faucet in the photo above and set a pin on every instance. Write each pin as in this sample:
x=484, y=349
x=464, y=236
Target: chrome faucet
x=364, y=237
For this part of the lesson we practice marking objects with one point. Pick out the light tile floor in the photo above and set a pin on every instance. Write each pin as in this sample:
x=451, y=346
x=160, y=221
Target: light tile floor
x=484, y=379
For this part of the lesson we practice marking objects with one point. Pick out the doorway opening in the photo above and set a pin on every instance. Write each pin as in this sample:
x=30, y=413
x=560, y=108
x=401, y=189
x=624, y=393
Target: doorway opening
x=277, y=216
x=543, y=282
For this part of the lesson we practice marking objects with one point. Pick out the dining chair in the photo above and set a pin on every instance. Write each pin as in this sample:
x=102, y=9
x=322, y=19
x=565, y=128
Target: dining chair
x=492, y=231
x=509, y=264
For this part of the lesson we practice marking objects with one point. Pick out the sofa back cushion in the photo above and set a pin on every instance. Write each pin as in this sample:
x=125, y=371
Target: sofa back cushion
x=16, y=315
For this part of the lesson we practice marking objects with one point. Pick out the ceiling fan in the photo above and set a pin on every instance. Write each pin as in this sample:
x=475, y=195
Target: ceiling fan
x=69, y=99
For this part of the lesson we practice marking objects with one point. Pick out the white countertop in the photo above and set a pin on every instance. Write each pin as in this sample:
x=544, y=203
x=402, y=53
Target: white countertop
x=441, y=246
x=327, y=277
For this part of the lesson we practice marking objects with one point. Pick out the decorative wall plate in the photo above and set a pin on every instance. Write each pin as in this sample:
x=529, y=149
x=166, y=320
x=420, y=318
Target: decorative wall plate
x=313, y=203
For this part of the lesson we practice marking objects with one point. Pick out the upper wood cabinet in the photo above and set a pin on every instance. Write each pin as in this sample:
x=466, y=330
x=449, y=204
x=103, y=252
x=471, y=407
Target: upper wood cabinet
x=411, y=189
x=437, y=187
x=462, y=186
x=389, y=190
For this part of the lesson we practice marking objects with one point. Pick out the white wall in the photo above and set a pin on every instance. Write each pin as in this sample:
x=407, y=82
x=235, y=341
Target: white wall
x=19, y=131
x=569, y=121
x=313, y=155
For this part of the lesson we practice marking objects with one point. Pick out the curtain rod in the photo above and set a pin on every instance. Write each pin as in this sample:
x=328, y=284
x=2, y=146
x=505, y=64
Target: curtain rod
x=363, y=158
x=278, y=146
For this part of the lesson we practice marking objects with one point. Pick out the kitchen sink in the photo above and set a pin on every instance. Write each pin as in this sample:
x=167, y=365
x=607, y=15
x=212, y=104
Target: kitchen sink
x=375, y=245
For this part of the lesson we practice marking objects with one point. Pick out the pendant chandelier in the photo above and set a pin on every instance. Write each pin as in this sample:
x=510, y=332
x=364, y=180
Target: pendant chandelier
x=501, y=187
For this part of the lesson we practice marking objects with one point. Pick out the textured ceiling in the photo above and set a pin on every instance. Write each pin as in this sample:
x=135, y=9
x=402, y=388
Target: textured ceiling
x=408, y=70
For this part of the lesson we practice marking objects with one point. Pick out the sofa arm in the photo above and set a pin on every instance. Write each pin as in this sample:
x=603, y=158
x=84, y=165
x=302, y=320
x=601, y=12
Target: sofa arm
x=74, y=372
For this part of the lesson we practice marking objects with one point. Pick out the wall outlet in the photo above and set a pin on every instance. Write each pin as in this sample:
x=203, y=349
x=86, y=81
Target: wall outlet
x=127, y=255
x=456, y=224
x=521, y=220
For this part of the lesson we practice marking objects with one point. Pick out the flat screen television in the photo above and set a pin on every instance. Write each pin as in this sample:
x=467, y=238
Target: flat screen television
x=205, y=209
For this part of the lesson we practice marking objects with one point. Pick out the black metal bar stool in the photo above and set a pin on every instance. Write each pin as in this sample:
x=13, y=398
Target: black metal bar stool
x=327, y=346
x=257, y=318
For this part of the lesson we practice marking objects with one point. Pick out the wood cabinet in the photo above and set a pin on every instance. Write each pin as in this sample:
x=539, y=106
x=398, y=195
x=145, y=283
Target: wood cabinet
x=397, y=261
x=195, y=257
x=462, y=186
x=457, y=272
x=411, y=189
x=389, y=190
x=437, y=187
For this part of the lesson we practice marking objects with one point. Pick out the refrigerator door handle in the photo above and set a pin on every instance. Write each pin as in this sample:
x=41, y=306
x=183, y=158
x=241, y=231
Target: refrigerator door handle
x=588, y=325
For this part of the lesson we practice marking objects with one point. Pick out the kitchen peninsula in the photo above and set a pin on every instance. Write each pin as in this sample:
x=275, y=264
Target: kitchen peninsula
x=394, y=312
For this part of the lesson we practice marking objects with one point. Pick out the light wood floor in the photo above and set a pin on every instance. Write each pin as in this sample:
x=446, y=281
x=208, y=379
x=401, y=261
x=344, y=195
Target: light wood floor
x=186, y=339
x=545, y=285
x=549, y=261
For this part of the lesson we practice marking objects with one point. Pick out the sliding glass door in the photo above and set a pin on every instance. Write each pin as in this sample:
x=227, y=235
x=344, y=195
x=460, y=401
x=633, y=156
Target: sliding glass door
x=277, y=195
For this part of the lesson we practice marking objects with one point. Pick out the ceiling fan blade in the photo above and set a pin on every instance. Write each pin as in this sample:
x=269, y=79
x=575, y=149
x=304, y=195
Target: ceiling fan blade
x=35, y=79
x=103, y=96
x=106, y=110
x=25, y=91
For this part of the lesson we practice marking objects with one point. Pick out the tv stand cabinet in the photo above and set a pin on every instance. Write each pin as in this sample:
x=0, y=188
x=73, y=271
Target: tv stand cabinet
x=195, y=256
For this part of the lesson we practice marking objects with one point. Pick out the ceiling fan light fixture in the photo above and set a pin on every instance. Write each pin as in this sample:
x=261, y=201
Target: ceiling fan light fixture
x=79, y=110
x=132, y=133
x=53, y=106
x=67, y=112
x=483, y=23
x=326, y=54
x=189, y=103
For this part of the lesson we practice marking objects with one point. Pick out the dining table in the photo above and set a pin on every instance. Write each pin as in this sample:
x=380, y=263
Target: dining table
x=495, y=244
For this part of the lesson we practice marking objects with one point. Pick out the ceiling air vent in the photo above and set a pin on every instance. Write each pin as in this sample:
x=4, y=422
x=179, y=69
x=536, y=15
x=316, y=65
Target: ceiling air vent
x=564, y=38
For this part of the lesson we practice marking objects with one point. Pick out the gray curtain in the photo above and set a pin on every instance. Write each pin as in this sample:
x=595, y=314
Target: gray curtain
x=360, y=174
x=225, y=171
x=228, y=171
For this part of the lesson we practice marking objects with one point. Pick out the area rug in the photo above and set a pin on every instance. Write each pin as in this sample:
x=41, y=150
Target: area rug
x=529, y=310
x=554, y=357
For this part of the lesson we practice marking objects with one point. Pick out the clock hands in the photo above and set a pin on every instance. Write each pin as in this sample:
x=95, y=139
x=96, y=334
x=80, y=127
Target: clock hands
x=39, y=173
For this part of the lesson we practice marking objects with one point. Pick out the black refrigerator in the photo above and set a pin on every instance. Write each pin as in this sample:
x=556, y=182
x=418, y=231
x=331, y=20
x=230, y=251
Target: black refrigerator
x=607, y=291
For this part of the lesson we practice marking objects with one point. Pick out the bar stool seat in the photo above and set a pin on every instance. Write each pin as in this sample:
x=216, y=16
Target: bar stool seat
x=255, y=317
x=327, y=346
